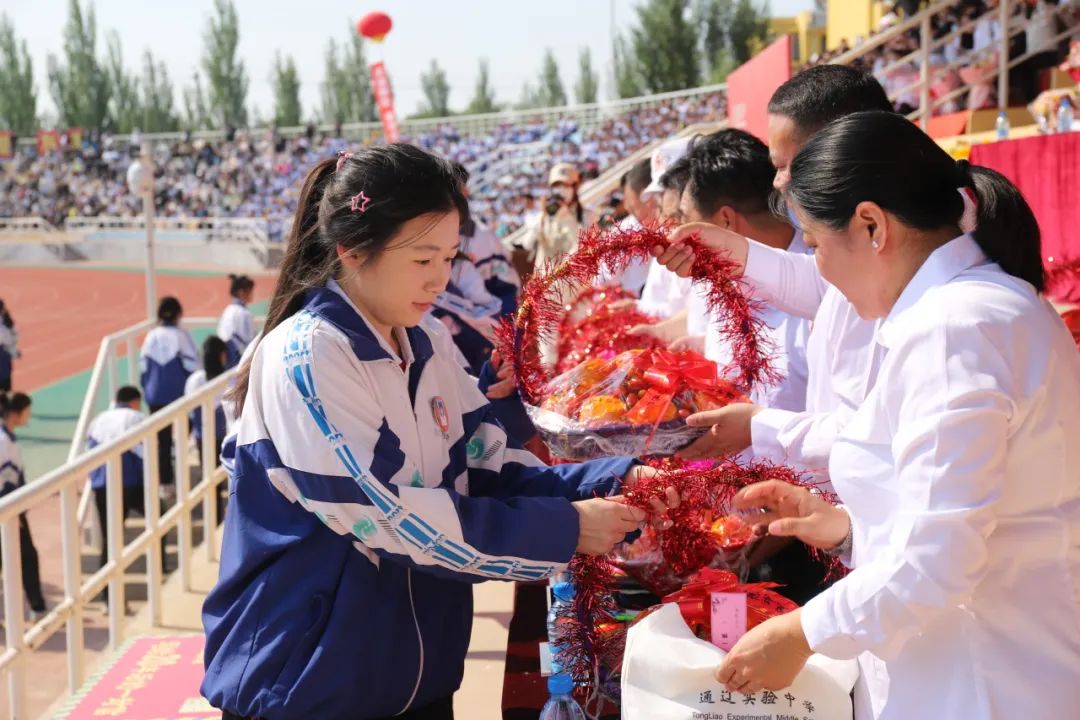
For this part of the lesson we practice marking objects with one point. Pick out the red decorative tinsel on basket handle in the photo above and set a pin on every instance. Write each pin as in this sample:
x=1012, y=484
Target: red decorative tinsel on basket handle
x=540, y=308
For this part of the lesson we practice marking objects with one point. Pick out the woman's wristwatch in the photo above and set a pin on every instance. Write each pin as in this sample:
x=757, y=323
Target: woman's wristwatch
x=843, y=550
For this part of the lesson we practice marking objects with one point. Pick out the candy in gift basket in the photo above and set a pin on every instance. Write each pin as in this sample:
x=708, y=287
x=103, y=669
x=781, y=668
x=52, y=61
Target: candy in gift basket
x=634, y=404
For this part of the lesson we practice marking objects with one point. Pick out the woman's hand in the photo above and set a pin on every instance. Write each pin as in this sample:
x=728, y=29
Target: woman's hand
x=769, y=657
x=603, y=523
x=729, y=431
x=678, y=257
x=694, y=343
x=505, y=373
x=787, y=510
x=660, y=507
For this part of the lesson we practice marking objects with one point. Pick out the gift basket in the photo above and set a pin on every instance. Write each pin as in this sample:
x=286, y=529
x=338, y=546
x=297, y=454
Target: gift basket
x=633, y=404
x=600, y=323
x=636, y=402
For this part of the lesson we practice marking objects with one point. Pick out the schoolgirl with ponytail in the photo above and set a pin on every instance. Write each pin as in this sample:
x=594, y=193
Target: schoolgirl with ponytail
x=960, y=473
x=236, y=326
x=371, y=483
x=15, y=410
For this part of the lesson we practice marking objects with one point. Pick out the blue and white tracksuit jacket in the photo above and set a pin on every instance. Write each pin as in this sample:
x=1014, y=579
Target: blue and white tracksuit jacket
x=365, y=500
x=237, y=328
x=108, y=426
x=167, y=358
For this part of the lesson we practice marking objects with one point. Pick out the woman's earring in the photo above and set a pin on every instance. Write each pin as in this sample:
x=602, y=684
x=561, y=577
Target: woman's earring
x=874, y=244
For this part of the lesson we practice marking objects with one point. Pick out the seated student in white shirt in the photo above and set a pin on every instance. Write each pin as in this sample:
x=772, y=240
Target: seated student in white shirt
x=730, y=186
x=960, y=471
x=841, y=357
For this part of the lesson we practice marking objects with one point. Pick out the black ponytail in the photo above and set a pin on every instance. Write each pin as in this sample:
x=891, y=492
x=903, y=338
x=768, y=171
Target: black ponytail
x=213, y=349
x=169, y=310
x=13, y=403
x=883, y=158
x=306, y=260
x=239, y=284
x=1007, y=230
x=400, y=182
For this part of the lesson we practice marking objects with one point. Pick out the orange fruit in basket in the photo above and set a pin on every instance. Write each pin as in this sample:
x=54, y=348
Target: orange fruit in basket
x=730, y=532
x=653, y=408
x=602, y=409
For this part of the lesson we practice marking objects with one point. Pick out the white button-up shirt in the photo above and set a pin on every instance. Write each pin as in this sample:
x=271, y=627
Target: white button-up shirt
x=786, y=335
x=961, y=472
x=840, y=358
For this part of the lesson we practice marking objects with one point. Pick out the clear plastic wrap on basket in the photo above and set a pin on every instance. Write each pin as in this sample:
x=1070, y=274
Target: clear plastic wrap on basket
x=631, y=405
x=643, y=560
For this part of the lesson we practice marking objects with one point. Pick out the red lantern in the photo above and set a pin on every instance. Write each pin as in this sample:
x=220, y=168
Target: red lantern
x=374, y=26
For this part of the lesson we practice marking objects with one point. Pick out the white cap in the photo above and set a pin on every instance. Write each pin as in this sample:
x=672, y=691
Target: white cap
x=664, y=157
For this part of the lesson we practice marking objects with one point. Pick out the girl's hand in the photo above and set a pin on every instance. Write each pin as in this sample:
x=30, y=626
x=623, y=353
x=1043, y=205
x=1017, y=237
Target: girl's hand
x=603, y=523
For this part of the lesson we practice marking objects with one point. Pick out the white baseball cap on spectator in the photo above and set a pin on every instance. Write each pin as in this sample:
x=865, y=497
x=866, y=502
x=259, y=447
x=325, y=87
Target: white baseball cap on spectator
x=563, y=172
x=664, y=157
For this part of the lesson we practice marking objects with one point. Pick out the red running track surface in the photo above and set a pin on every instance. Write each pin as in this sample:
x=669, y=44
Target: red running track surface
x=61, y=314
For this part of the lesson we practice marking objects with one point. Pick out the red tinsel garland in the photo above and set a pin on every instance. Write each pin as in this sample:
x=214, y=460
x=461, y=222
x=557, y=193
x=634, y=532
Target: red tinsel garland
x=687, y=546
x=540, y=308
x=603, y=329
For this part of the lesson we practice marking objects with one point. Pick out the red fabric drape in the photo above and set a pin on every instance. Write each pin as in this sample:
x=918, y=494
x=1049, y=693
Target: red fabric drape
x=1047, y=171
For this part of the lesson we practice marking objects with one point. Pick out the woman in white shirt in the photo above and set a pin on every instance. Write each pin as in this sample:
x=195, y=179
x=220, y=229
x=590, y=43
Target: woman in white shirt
x=960, y=472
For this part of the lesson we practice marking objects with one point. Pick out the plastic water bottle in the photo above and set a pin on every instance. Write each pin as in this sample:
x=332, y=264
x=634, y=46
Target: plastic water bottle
x=563, y=595
x=1002, y=126
x=1065, y=116
x=561, y=705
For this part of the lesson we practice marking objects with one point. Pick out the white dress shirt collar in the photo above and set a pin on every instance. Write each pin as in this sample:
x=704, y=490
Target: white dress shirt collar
x=943, y=265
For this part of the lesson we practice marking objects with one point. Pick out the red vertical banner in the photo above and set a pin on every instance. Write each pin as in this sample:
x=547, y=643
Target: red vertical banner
x=47, y=141
x=384, y=99
x=7, y=145
x=752, y=84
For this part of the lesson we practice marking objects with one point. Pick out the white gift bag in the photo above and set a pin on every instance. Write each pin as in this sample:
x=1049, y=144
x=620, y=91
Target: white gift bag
x=667, y=674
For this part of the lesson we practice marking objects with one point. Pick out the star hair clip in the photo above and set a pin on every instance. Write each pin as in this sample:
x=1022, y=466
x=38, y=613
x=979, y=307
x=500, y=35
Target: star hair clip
x=360, y=202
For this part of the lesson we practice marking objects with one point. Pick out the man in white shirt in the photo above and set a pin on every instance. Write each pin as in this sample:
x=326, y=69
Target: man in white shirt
x=643, y=211
x=730, y=184
x=841, y=356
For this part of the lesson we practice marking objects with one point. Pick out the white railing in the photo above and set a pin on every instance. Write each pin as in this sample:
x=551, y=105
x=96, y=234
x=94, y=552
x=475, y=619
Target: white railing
x=123, y=344
x=921, y=57
x=24, y=224
x=236, y=229
x=23, y=641
x=587, y=116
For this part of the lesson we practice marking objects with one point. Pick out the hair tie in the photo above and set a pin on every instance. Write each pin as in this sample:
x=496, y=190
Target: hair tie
x=342, y=157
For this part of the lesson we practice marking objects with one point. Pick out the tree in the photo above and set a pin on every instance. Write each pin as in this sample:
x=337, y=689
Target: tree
x=587, y=85
x=286, y=83
x=732, y=31
x=665, y=46
x=530, y=98
x=346, y=87
x=125, y=111
x=196, y=113
x=484, y=96
x=226, y=77
x=436, y=91
x=18, y=98
x=627, y=79
x=80, y=85
x=549, y=91
x=158, y=114
x=749, y=30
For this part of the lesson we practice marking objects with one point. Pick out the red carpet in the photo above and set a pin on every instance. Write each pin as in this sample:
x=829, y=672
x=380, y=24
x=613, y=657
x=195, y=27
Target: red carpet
x=152, y=678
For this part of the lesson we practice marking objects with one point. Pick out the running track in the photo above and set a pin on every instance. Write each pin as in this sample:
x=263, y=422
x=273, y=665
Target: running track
x=61, y=314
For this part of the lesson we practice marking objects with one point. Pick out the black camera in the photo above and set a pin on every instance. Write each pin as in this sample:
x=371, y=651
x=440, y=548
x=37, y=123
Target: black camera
x=552, y=204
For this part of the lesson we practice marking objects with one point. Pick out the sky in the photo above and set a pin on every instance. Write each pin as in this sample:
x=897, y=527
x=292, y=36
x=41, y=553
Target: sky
x=510, y=34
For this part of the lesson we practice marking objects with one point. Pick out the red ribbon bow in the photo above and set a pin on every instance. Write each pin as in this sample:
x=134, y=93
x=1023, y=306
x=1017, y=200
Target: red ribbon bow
x=762, y=602
x=673, y=372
